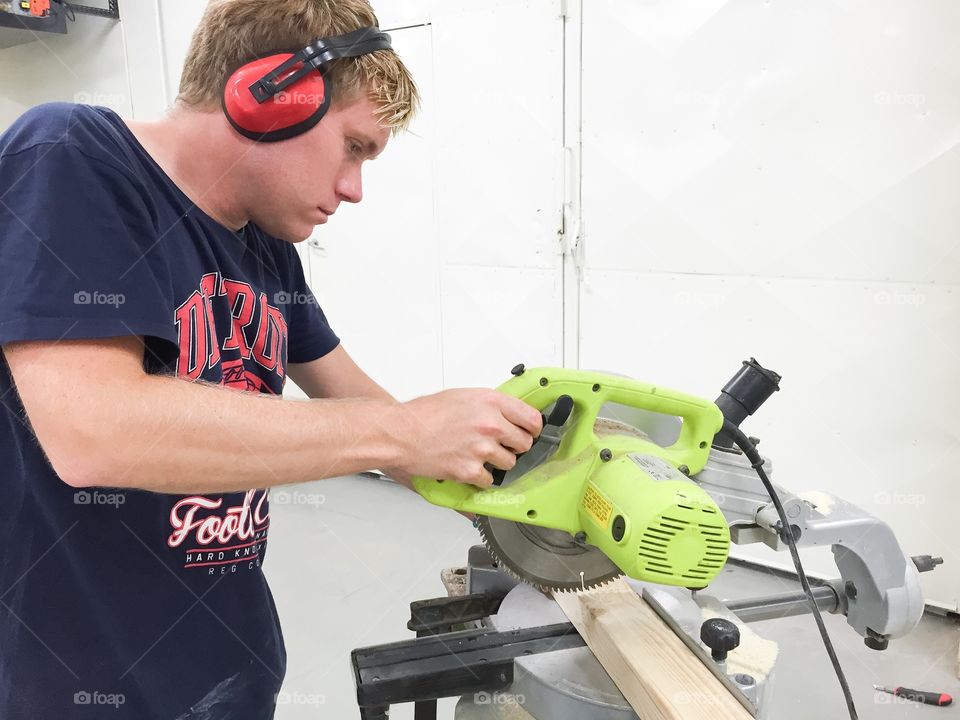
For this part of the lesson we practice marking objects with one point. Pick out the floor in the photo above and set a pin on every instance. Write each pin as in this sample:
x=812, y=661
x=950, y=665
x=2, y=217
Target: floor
x=347, y=556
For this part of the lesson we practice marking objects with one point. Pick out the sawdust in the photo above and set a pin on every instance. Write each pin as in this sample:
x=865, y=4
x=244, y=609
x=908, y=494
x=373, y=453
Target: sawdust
x=454, y=579
x=605, y=426
x=754, y=656
x=820, y=500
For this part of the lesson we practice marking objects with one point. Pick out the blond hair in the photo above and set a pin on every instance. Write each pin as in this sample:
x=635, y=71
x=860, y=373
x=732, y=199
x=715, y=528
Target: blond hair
x=234, y=32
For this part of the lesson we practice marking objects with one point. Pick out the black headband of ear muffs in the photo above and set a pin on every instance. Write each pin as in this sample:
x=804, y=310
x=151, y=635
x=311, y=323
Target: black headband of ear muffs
x=317, y=55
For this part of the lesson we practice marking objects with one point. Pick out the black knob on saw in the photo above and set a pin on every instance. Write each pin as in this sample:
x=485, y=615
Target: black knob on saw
x=558, y=416
x=721, y=636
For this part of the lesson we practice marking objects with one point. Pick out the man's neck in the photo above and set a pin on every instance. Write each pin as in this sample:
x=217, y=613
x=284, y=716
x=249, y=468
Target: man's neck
x=202, y=156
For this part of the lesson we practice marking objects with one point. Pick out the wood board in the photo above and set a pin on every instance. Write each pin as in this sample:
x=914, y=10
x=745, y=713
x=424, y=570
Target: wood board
x=656, y=672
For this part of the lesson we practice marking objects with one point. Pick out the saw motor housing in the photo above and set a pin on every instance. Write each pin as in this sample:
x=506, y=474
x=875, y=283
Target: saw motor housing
x=655, y=524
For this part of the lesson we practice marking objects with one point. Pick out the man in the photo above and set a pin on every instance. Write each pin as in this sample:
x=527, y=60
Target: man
x=144, y=269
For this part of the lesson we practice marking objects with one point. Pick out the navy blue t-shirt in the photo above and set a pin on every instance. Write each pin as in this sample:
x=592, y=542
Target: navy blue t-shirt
x=128, y=603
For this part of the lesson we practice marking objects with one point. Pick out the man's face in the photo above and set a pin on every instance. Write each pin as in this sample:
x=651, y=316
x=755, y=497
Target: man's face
x=302, y=181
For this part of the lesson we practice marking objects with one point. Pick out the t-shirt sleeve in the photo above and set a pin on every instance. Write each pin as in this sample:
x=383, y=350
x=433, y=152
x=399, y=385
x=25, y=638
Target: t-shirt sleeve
x=78, y=249
x=309, y=335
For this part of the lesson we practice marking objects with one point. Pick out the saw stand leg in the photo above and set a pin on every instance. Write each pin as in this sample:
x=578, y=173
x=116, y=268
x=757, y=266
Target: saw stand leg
x=427, y=709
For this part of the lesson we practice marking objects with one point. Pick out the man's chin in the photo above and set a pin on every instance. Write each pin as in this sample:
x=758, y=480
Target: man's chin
x=291, y=235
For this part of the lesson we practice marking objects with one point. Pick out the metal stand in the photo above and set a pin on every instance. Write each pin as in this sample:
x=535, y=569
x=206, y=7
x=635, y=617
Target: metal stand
x=440, y=663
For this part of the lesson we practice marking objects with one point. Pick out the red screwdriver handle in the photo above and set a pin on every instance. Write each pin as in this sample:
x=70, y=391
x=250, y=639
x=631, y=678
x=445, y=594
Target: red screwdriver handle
x=927, y=698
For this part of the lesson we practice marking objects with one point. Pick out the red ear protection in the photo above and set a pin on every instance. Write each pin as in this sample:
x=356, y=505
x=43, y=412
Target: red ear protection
x=288, y=113
x=284, y=95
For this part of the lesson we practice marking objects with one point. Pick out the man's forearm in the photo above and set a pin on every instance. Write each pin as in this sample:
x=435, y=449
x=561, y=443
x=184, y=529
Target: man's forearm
x=169, y=435
x=106, y=422
x=345, y=379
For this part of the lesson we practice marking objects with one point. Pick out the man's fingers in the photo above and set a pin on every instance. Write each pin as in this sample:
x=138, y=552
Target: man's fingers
x=483, y=480
x=503, y=459
x=521, y=414
x=516, y=439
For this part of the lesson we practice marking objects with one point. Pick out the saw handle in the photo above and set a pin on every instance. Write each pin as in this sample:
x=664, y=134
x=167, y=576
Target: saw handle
x=558, y=416
x=588, y=390
x=540, y=387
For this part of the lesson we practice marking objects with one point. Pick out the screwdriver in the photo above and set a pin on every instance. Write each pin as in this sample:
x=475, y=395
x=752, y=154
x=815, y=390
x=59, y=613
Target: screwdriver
x=927, y=698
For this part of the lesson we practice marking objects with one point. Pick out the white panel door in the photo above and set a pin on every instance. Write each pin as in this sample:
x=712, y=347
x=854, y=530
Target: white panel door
x=375, y=266
x=448, y=273
x=778, y=179
x=499, y=141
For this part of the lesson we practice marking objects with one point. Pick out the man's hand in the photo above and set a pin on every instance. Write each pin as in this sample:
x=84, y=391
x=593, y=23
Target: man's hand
x=455, y=433
x=449, y=435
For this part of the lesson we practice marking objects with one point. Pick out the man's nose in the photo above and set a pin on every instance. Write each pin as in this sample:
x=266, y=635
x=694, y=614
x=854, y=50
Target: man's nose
x=350, y=187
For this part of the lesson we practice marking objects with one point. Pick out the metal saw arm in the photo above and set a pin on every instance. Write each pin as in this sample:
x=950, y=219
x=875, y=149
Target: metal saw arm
x=879, y=587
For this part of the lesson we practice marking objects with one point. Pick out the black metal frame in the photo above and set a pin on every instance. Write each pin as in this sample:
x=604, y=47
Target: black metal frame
x=112, y=12
x=440, y=663
x=56, y=21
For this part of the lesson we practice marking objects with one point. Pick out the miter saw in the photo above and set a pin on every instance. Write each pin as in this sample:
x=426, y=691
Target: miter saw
x=629, y=478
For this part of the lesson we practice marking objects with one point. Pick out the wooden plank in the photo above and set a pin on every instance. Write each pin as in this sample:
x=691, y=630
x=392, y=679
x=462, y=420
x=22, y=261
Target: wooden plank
x=656, y=672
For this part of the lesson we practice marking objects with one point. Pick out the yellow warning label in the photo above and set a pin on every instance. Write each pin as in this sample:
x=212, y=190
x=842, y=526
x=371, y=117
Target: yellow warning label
x=597, y=505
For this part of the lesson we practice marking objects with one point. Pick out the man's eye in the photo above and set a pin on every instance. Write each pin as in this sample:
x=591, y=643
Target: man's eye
x=355, y=149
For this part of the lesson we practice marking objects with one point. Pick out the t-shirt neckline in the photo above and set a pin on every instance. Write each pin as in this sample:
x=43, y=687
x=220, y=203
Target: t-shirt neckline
x=114, y=118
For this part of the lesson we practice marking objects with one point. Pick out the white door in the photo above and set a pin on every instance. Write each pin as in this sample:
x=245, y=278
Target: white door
x=779, y=180
x=448, y=272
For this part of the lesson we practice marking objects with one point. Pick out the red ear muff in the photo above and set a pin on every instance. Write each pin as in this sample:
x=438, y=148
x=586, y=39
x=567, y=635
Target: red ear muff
x=286, y=94
x=290, y=112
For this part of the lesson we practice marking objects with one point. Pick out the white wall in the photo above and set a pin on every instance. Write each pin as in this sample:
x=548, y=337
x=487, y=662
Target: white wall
x=779, y=180
x=85, y=65
x=447, y=274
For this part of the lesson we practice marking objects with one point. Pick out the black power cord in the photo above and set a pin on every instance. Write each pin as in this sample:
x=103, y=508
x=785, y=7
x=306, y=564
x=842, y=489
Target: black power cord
x=786, y=534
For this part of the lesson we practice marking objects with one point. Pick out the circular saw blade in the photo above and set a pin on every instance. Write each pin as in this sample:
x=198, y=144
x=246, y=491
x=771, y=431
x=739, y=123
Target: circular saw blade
x=547, y=559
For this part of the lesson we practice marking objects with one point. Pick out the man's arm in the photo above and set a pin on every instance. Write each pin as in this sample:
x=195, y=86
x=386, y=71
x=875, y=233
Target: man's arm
x=336, y=375
x=103, y=421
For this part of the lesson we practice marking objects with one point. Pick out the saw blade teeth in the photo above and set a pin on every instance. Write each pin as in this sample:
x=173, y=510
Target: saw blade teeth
x=599, y=583
x=519, y=577
x=505, y=567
